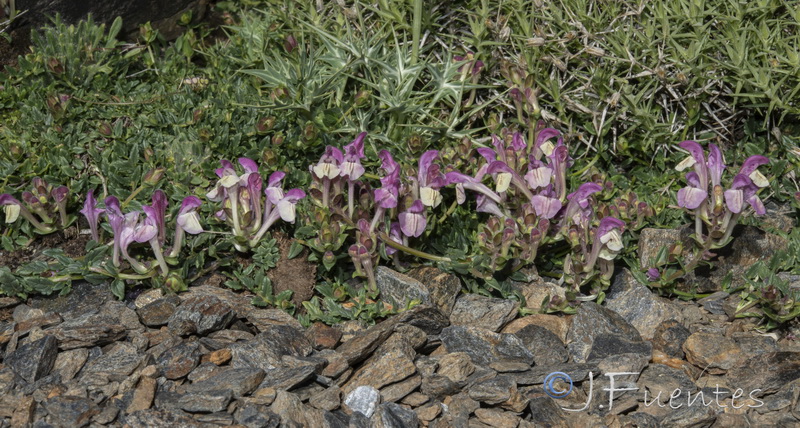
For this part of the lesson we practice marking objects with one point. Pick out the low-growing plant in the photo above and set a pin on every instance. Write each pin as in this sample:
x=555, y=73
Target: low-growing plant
x=45, y=207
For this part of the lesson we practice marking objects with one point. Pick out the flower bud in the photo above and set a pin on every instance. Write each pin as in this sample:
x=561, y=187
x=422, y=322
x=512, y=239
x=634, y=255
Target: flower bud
x=269, y=157
x=290, y=43
x=175, y=283
x=278, y=139
x=105, y=129
x=415, y=143
x=362, y=97
x=653, y=274
x=265, y=124
x=328, y=259
x=309, y=132
x=55, y=66
x=153, y=176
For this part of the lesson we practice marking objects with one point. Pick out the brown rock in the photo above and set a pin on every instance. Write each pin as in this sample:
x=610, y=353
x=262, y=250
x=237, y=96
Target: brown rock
x=669, y=338
x=716, y=353
x=178, y=361
x=497, y=418
x=323, y=336
x=143, y=395
x=23, y=414
x=200, y=315
x=289, y=408
x=429, y=412
x=362, y=344
x=220, y=356
x=396, y=391
x=415, y=399
x=87, y=332
x=381, y=370
x=456, y=366
x=43, y=321
x=443, y=287
x=328, y=399
x=69, y=363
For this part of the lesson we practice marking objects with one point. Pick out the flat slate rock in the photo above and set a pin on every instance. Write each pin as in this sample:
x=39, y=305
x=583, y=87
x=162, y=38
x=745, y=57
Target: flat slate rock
x=266, y=350
x=485, y=312
x=34, y=360
x=485, y=346
x=592, y=320
x=69, y=411
x=88, y=330
x=200, y=315
x=240, y=381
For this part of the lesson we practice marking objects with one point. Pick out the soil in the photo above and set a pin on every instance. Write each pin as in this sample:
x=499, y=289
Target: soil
x=9, y=51
x=73, y=245
x=297, y=274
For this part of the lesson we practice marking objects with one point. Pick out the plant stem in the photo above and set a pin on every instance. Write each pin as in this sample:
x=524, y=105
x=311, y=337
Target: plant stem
x=416, y=29
x=421, y=254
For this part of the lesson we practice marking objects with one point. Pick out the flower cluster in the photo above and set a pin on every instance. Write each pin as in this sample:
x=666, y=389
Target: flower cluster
x=715, y=206
x=388, y=215
x=45, y=207
x=248, y=210
x=130, y=228
x=531, y=206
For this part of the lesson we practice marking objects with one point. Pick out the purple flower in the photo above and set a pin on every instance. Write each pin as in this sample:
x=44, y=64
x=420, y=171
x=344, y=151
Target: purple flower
x=475, y=66
x=412, y=221
x=394, y=235
x=578, y=209
x=115, y=220
x=538, y=175
x=743, y=190
x=429, y=179
x=608, y=233
x=545, y=207
x=464, y=181
x=653, y=274
x=228, y=179
x=92, y=214
x=328, y=165
x=351, y=167
x=159, y=212
x=188, y=219
x=697, y=160
x=715, y=165
x=542, y=146
x=387, y=195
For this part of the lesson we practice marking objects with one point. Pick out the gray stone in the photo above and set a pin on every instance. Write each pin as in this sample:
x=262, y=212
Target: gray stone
x=87, y=330
x=605, y=345
x=545, y=411
x=457, y=366
x=82, y=299
x=426, y=318
x=328, y=399
x=363, y=399
x=162, y=418
x=120, y=361
x=485, y=312
x=768, y=372
x=207, y=401
x=493, y=391
x=287, y=378
x=400, y=289
x=638, y=305
x=591, y=321
x=267, y=348
x=180, y=360
x=240, y=381
x=158, y=312
x=578, y=372
x=290, y=409
x=382, y=369
x=68, y=411
x=546, y=347
x=485, y=346
x=256, y=416
x=69, y=363
x=361, y=345
x=392, y=415
x=215, y=418
x=669, y=338
x=200, y=315
x=439, y=386
x=34, y=360
x=396, y=391
x=443, y=287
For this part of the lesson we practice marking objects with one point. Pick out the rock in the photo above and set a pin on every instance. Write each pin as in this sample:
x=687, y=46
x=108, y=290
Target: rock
x=240, y=381
x=264, y=319
x=539, y=291
x=363, y=399
x=545, y=411
x=200, y=315
x=767, y=373
x=178, y=361
x=396, y=391
x=289, y=408
x=34, y=360
x=730, y=420
x=362, y=344
x=328, y=399
x=485, y=312
x=393, y=415
x=69, y=363
x=558, y=325
x=426, y=318
x=484, y=346
x=755, y=345
x=287, y=378
x=256, y=416
x=47, y=320
x=591, y=321
x=715, y=302
x=428, y=412
x=669, y=338
x=267, y=348
x=158, y=312
x=161, y=418
x=713, y=353
x=119, y=362
x=380, y=370
x=24, y=413
x=206, y=401
x=546, y=347
x=399, y=289
x=84, y=298
x=497, y=418
x=143, y=395
x=493, y=391
x=456, y=366
x=438, y=386
x=323, y=336
x=87, y=330
x=70, y=411
x=637, y=304
x=605, y=345
x=220, y=356
x=443, y=287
